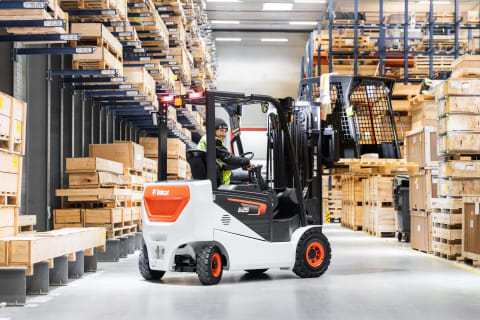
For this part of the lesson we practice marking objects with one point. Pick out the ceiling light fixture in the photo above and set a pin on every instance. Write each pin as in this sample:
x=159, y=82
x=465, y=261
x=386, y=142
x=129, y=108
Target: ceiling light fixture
x=309, y=23
x=225, y=21
x=229, y=39
x=275, y=6
x=434, y=2
x=224, y=1
x=310, y=1
x=274, y=40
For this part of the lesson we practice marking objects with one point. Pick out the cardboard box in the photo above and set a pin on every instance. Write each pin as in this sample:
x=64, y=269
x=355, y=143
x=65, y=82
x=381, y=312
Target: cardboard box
x=423, y=187
x=421, y=231
x=128, y=153
x=422, y=147
x=78, y=165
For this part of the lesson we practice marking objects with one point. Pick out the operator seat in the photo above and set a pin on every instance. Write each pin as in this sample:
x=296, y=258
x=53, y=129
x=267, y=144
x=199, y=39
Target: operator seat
x=197, y=159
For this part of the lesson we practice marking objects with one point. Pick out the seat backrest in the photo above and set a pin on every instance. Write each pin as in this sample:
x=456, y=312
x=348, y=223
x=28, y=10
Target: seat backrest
x=197, y=159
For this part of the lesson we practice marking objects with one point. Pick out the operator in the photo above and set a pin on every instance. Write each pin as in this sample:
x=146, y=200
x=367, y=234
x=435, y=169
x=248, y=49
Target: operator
x=225, y=160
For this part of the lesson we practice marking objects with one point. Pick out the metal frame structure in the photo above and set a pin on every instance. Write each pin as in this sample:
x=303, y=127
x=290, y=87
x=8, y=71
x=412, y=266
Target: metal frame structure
x=307, y=64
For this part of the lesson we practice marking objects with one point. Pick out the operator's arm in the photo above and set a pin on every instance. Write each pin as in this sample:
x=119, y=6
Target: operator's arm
x=228, y=158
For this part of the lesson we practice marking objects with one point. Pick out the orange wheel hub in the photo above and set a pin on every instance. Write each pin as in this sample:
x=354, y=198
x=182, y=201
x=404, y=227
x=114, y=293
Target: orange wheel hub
x=216, y=265
x=315, y=254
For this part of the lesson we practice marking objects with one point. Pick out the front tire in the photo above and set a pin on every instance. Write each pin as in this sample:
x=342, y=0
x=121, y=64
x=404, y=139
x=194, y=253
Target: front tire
x=144, y=267
x=313, y=254
x=209, y=265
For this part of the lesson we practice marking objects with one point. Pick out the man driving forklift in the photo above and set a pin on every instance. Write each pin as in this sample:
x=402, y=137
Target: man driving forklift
x=225, y=160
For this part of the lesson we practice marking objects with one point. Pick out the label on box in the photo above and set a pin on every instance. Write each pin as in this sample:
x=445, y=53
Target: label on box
x=471, y=223
x=15, y=162
x=1, y=103
x=459, y=166
x=434, y=180
x=19, y=127
x=477, y=208
x=418, y=228
x=414, y=139
x=435, y=172
x=470, y=167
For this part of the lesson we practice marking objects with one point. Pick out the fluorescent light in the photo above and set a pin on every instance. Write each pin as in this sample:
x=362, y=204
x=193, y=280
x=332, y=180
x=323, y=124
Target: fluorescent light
x=224, y=1
x=225, y=21
x=273, y=6
x=434, y=2
x=309, y=23
x=310, y=1
x=274, y=40
x=229, y=39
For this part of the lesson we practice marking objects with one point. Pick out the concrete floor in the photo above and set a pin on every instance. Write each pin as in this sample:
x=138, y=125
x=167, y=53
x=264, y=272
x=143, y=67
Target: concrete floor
x=369, y=278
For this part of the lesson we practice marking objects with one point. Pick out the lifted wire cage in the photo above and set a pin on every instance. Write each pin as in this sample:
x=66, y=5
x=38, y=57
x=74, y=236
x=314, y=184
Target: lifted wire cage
x=371, y=127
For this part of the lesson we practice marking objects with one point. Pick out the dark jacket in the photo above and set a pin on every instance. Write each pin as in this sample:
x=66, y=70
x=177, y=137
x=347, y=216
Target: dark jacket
x=232, y=162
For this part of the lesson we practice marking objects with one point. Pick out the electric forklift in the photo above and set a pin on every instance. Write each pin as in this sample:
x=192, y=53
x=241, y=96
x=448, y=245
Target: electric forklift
x=258, y=223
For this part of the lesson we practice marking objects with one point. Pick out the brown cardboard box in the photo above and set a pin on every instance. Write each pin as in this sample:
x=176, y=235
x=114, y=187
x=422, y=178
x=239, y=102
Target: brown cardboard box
x=422, y=147
x=128, y=153
x=421, y=231
x=423, y=187
x=471, y=227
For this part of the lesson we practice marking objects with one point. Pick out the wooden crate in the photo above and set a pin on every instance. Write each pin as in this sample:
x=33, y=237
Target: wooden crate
x=141, y=80
x=68, y=218
x=101, y=58
x=457, y=87
x=423, y=187
x=177, y=168
x=422, y=147
x=93, y=180
x=459, y=143
x=95, y=195
x=459, y=104
x=424, y=111
x=421, y=236
x=458, y=187
x=459, y=122
x=128, y=153
x=8, y=221
x=120, y=5
x=459, y=169
x=89, y=165
x=10, y=179
x=466, y=66
x=12, y=124
x=96, y=34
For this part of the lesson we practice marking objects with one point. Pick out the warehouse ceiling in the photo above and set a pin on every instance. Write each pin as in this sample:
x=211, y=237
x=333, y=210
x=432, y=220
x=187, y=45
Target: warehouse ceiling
x=249, y=15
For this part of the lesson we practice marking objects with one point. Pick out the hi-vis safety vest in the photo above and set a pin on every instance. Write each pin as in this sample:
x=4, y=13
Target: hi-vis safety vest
x=225, y=173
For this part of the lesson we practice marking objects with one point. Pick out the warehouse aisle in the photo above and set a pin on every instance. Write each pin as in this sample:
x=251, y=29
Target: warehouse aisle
x=369, y=278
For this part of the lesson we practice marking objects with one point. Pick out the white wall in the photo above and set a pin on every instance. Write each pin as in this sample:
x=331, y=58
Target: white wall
x=252, y=66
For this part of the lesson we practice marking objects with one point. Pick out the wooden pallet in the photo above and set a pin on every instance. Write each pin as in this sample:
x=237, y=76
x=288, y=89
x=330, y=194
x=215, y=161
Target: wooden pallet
x=91, y=165
x=94, y=180
x=120, y=5
x=101, y=58
x=26, y=223
x=41, y=246
x=374, y=166
x=97, y=35
x=99, y=195
x=470, y=259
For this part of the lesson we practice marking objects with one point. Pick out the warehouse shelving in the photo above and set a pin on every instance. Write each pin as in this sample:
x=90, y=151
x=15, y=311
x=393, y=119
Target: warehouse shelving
x=380, y=50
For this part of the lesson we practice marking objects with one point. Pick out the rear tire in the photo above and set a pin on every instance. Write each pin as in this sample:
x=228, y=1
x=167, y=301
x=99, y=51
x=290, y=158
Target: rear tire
x=313, y=254
x=144, y=267
x=256, y=271
x=209, y=265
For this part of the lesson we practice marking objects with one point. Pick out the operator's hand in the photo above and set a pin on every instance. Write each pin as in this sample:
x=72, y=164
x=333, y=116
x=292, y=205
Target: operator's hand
x=250, y=166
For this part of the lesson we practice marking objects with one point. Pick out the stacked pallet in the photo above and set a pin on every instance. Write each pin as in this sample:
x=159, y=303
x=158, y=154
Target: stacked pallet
x=459, y=130
x=108, y=52
x=49, y=10
x=177, y=166
x=378, y=203
x=98, y=196
x=335, y=200
x=12, y=148
x=422, y=149
x=352, y=201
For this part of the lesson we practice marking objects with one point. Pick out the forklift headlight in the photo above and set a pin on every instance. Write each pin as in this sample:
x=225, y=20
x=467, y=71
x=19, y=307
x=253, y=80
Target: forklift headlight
x=166, y=203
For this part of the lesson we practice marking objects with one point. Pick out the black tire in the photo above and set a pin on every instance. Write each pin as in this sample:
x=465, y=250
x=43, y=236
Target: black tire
x=144, y=267
x=319, y=254
x=256, y=271
x=209, y=265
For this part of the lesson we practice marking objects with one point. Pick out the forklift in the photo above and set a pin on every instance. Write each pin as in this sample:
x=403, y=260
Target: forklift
x=260, y=222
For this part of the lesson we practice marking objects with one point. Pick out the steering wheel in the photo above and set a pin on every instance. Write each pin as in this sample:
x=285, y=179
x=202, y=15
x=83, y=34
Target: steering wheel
x=248, y=155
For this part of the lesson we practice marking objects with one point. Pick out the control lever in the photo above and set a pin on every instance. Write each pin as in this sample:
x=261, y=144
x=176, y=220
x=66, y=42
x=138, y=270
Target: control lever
x=255, y=176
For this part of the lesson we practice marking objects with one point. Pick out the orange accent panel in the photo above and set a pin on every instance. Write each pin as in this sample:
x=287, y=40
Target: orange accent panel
x=166, y=203
x=262, y=207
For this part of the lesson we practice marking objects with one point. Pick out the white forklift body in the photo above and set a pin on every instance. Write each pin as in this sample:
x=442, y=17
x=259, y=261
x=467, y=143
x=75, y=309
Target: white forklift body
x=194, y=219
